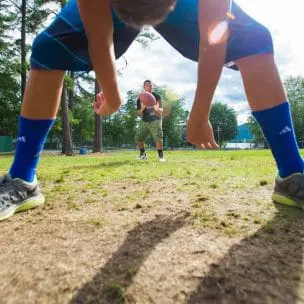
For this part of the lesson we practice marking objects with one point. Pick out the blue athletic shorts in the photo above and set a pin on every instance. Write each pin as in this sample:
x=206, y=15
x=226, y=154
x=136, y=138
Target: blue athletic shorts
x=63, y=45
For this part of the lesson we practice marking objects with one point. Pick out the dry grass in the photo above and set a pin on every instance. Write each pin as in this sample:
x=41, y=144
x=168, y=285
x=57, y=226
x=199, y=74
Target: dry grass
x=118, y=231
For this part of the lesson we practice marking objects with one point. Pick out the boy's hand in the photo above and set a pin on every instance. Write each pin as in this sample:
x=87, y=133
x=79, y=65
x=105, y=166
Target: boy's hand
x=200, y=133
x=101, y=107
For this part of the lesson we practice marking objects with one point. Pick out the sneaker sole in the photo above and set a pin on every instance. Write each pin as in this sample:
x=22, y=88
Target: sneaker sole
x=284, y=200
x=26, y=205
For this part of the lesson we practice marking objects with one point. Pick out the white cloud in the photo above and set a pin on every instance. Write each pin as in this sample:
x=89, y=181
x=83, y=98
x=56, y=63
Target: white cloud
x=164, y=66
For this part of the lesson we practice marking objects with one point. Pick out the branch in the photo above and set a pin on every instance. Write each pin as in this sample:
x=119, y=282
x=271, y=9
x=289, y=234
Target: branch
x=14, y=4
x=82, y=89
x=119, y=71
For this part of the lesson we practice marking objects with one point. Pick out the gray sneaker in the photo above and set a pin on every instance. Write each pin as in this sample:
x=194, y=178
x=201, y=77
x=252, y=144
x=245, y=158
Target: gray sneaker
x=16, y=195
x=290, y=190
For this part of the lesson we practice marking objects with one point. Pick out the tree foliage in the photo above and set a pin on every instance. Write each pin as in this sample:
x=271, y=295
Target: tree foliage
x=224, y=122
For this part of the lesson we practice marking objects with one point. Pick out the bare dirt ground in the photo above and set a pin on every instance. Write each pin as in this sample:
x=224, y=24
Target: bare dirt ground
x=160, y=242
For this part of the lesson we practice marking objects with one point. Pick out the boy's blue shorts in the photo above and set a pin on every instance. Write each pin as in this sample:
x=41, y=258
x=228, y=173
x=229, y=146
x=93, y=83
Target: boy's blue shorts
x=63, y=45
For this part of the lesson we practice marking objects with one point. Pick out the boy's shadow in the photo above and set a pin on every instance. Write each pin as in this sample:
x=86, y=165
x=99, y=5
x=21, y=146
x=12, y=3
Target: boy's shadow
x=263, y=268
x=117, y=274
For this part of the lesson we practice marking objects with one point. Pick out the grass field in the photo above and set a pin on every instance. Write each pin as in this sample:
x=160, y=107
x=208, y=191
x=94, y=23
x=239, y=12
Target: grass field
x=199, y=228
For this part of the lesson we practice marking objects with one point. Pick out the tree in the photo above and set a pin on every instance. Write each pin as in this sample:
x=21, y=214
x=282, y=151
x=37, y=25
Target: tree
x=26, y=16
x=224, y=122
x=83, y=121
x=256, y=131
x=295, y=92
x=174, y=117
x=146, y=37
x=67, y=148
x=98, y=142
x=9, y=67
x=29, y=16
x=129, y=110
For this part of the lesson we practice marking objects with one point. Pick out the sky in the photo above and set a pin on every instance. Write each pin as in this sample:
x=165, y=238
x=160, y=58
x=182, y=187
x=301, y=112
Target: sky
x=165, y=66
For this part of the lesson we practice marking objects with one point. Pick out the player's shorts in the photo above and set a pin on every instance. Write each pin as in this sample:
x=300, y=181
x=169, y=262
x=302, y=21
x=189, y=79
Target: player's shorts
x=152, y=127
x=64, y=46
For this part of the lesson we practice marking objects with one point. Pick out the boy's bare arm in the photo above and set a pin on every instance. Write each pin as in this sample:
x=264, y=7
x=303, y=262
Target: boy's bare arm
x=97, y=20
x=212, y=17
x=213, y=20
x=157, y=109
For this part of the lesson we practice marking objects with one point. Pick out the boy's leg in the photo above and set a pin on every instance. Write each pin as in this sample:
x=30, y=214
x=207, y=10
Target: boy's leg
x=156, y=131
x=270, y=107
x=62, y=46
x=160, y=149
x=159, y=142
x=42, y=94
x=141, y=148
x=262, y=92
x=140, y=137
x=250, y=49
x=19, y=190
x=39, y=110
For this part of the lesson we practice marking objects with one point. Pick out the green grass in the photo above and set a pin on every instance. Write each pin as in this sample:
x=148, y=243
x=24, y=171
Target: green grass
x=216, y=170
x=76, y=183
x=114, y=293
x=180, y=164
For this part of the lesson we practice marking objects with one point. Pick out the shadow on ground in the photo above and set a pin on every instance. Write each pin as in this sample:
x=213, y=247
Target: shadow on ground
x=263, y=268
x=107, y=164
x=117, y=275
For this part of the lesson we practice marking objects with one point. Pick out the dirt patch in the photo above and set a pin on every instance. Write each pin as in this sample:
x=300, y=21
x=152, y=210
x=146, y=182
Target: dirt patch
x=160, y=242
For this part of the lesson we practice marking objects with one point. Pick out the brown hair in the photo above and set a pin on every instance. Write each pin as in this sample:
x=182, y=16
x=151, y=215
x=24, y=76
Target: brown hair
x=137, y=13
x=147, y=81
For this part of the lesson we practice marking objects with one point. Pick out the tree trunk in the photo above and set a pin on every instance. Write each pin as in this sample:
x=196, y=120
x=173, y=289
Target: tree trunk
x=71, y=98
x=71, y=93
x=66, y=136
x=98, y=146
x=23, y=46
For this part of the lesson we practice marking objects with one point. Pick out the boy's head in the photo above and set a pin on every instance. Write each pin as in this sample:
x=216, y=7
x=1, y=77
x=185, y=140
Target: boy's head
x=148, y=86
x=138, y=13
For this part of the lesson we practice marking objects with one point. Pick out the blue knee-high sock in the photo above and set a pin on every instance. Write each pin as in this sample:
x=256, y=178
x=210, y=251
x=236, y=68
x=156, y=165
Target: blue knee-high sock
x=277, y=127
x=31, y=139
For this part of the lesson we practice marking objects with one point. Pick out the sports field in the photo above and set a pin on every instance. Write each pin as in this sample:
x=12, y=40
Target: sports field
x=199, y=228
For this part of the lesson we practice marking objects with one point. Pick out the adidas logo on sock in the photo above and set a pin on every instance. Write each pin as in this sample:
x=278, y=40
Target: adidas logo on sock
x=285, y=130
x=21, y=139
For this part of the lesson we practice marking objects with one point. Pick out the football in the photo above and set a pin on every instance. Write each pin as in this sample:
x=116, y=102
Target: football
x=147, y=99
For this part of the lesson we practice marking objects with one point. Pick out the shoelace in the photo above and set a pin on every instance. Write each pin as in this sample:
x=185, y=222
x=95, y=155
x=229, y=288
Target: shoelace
x=12, y=188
